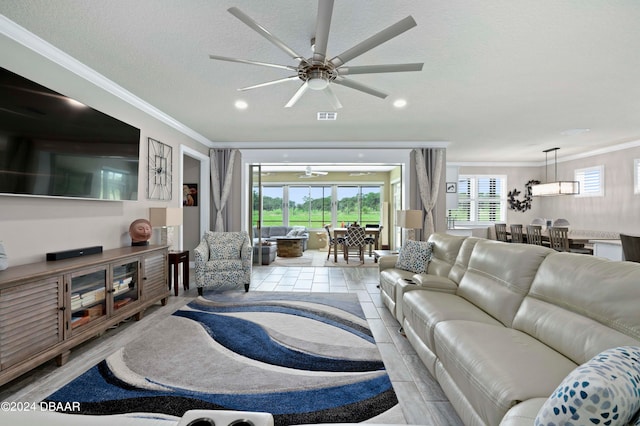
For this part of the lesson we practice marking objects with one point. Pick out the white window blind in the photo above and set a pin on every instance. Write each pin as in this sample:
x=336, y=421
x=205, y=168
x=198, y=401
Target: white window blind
x=591, y=181
x=481, y=199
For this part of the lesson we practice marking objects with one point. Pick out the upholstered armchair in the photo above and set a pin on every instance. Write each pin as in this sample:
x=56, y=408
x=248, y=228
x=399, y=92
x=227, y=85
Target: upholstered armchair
x=223, y=259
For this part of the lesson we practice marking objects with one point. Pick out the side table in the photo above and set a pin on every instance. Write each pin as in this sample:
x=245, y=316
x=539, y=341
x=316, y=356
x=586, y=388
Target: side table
x=175, y=259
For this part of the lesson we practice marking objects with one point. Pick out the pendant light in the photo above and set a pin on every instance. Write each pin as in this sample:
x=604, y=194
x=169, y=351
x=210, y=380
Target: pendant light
x=556, y=187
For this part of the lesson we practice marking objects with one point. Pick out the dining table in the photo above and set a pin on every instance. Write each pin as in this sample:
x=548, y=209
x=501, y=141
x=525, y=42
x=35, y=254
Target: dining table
x=575, y=240
x=342, y=232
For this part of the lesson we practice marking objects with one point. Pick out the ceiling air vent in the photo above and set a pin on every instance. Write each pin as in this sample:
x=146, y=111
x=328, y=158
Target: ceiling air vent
x=327, y=116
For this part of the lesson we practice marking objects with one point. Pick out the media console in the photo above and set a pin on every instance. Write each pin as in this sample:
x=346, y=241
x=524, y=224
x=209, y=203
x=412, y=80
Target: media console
x=47, y=308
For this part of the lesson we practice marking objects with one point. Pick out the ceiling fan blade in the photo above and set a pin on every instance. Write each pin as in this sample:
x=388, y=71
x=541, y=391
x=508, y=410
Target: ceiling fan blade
x=296, y=96
x=323, y=23
x=245, y=61
x=264, y=33
x=269, y=83
x=371, y=69
x=374, y=41
x=359, y=86
x=335, y=102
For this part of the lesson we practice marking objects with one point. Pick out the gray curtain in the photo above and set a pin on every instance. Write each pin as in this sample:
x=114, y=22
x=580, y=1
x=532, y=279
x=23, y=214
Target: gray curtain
x=222, y=162
x=429, y=164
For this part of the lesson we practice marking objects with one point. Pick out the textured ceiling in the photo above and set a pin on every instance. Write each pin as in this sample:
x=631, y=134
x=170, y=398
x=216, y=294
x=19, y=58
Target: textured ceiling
x=501, y=79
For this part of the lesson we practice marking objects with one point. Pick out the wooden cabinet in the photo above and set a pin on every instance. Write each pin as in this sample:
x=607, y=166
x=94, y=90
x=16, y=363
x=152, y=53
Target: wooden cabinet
x=47, y=308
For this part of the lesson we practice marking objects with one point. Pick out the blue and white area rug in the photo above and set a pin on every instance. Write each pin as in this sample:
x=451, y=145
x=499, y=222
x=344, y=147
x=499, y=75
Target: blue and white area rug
x=305, y=358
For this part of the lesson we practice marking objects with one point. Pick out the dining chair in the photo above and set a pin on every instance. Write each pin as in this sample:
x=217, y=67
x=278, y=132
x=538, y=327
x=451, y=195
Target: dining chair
x=333, y=242
x=559, y=239
x=516, y=234
x=370, y=240
x=534, y=234
x=354, y=239
x=501, y=232
x=630, y=247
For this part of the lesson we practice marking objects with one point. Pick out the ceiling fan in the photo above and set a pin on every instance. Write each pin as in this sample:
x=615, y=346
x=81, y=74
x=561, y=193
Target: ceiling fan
x=318, y=72
x=308, y=173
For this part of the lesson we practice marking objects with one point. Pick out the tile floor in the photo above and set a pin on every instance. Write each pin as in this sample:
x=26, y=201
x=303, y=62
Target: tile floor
x=421, y=398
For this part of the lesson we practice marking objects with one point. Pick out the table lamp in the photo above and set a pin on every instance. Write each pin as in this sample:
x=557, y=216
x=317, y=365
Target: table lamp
x=165, y=218
x=410, y=220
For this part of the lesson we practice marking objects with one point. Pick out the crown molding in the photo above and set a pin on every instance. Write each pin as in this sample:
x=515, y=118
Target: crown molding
x=331, y=144
x=45, y=49
x=593, y=153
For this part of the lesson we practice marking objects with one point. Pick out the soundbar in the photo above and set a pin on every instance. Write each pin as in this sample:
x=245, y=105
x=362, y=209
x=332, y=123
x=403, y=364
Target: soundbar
x=67, y=254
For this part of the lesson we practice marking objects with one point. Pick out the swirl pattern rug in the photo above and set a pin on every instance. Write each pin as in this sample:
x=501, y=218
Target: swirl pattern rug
x=305, y=358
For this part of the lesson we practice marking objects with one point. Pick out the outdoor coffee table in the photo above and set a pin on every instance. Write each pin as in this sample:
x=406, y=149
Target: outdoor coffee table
x=289, y=247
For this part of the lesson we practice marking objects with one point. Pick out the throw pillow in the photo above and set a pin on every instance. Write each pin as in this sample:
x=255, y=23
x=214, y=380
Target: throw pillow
x=299, y=231
x=292, y=233
x=415, y=256
x=605, y=391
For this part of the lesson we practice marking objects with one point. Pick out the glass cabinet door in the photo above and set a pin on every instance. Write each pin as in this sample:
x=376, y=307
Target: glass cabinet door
x=125, y=284
x=88, y=296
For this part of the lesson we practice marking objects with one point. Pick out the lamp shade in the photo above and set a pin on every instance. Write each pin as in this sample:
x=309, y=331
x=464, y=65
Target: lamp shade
x=556, y=188
x=165, y=216
x=411, y=219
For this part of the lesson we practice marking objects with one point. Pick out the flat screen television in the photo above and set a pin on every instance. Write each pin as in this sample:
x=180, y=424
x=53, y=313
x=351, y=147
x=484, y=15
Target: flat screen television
x=51, y=145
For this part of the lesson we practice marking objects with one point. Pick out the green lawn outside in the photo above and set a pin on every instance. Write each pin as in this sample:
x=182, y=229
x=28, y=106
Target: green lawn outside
x=318, y=220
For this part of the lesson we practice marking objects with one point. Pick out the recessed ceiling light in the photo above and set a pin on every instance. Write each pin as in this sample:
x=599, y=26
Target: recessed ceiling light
x=241, y=105
x=400, y=103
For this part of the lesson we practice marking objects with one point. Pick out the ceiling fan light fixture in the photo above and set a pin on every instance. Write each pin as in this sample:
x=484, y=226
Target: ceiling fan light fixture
x=400, y=103
x=318, y=80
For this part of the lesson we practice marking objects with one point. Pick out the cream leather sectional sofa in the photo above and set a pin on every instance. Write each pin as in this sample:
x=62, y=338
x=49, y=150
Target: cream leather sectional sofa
x=500, y=325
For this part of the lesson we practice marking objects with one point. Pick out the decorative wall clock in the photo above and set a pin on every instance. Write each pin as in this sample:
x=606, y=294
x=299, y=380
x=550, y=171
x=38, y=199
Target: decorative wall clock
x=160, y=170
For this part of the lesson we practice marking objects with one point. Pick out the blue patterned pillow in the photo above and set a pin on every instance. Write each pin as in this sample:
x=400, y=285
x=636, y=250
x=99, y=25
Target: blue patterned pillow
x=603, y=391
x=415, y=256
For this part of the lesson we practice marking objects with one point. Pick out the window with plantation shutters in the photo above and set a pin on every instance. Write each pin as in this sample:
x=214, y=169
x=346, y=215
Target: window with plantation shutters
x=481, y=199
x=591, y=181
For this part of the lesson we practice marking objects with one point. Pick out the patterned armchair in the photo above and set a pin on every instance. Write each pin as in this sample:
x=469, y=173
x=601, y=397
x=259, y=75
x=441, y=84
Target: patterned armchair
x=223, y=259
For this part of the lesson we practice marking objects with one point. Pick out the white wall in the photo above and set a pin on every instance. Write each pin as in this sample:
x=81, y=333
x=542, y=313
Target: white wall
x=617, y=211
x=32, y=226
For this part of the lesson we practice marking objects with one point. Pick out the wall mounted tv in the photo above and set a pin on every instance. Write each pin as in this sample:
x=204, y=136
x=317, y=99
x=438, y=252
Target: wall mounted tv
x=51, y=145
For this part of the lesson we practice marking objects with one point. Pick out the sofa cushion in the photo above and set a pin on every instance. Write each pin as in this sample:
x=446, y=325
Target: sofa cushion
x=297, y=231
x=605, y=390
x=499, y=276
x=582, y=305
x=445, y=251
x=276, y=231
x=414, y=256
x=462, y=260
x=425, y=309
x=224, y=245
x=496, y=367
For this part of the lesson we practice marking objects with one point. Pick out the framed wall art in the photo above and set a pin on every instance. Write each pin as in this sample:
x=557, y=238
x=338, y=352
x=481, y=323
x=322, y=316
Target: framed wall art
x=452, y=187
x=160, y=169
x=190, y=195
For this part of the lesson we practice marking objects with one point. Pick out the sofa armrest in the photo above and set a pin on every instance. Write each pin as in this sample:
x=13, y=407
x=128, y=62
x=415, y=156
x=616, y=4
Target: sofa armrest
x=201, y=252
x=387, y=261
x=246, y=253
